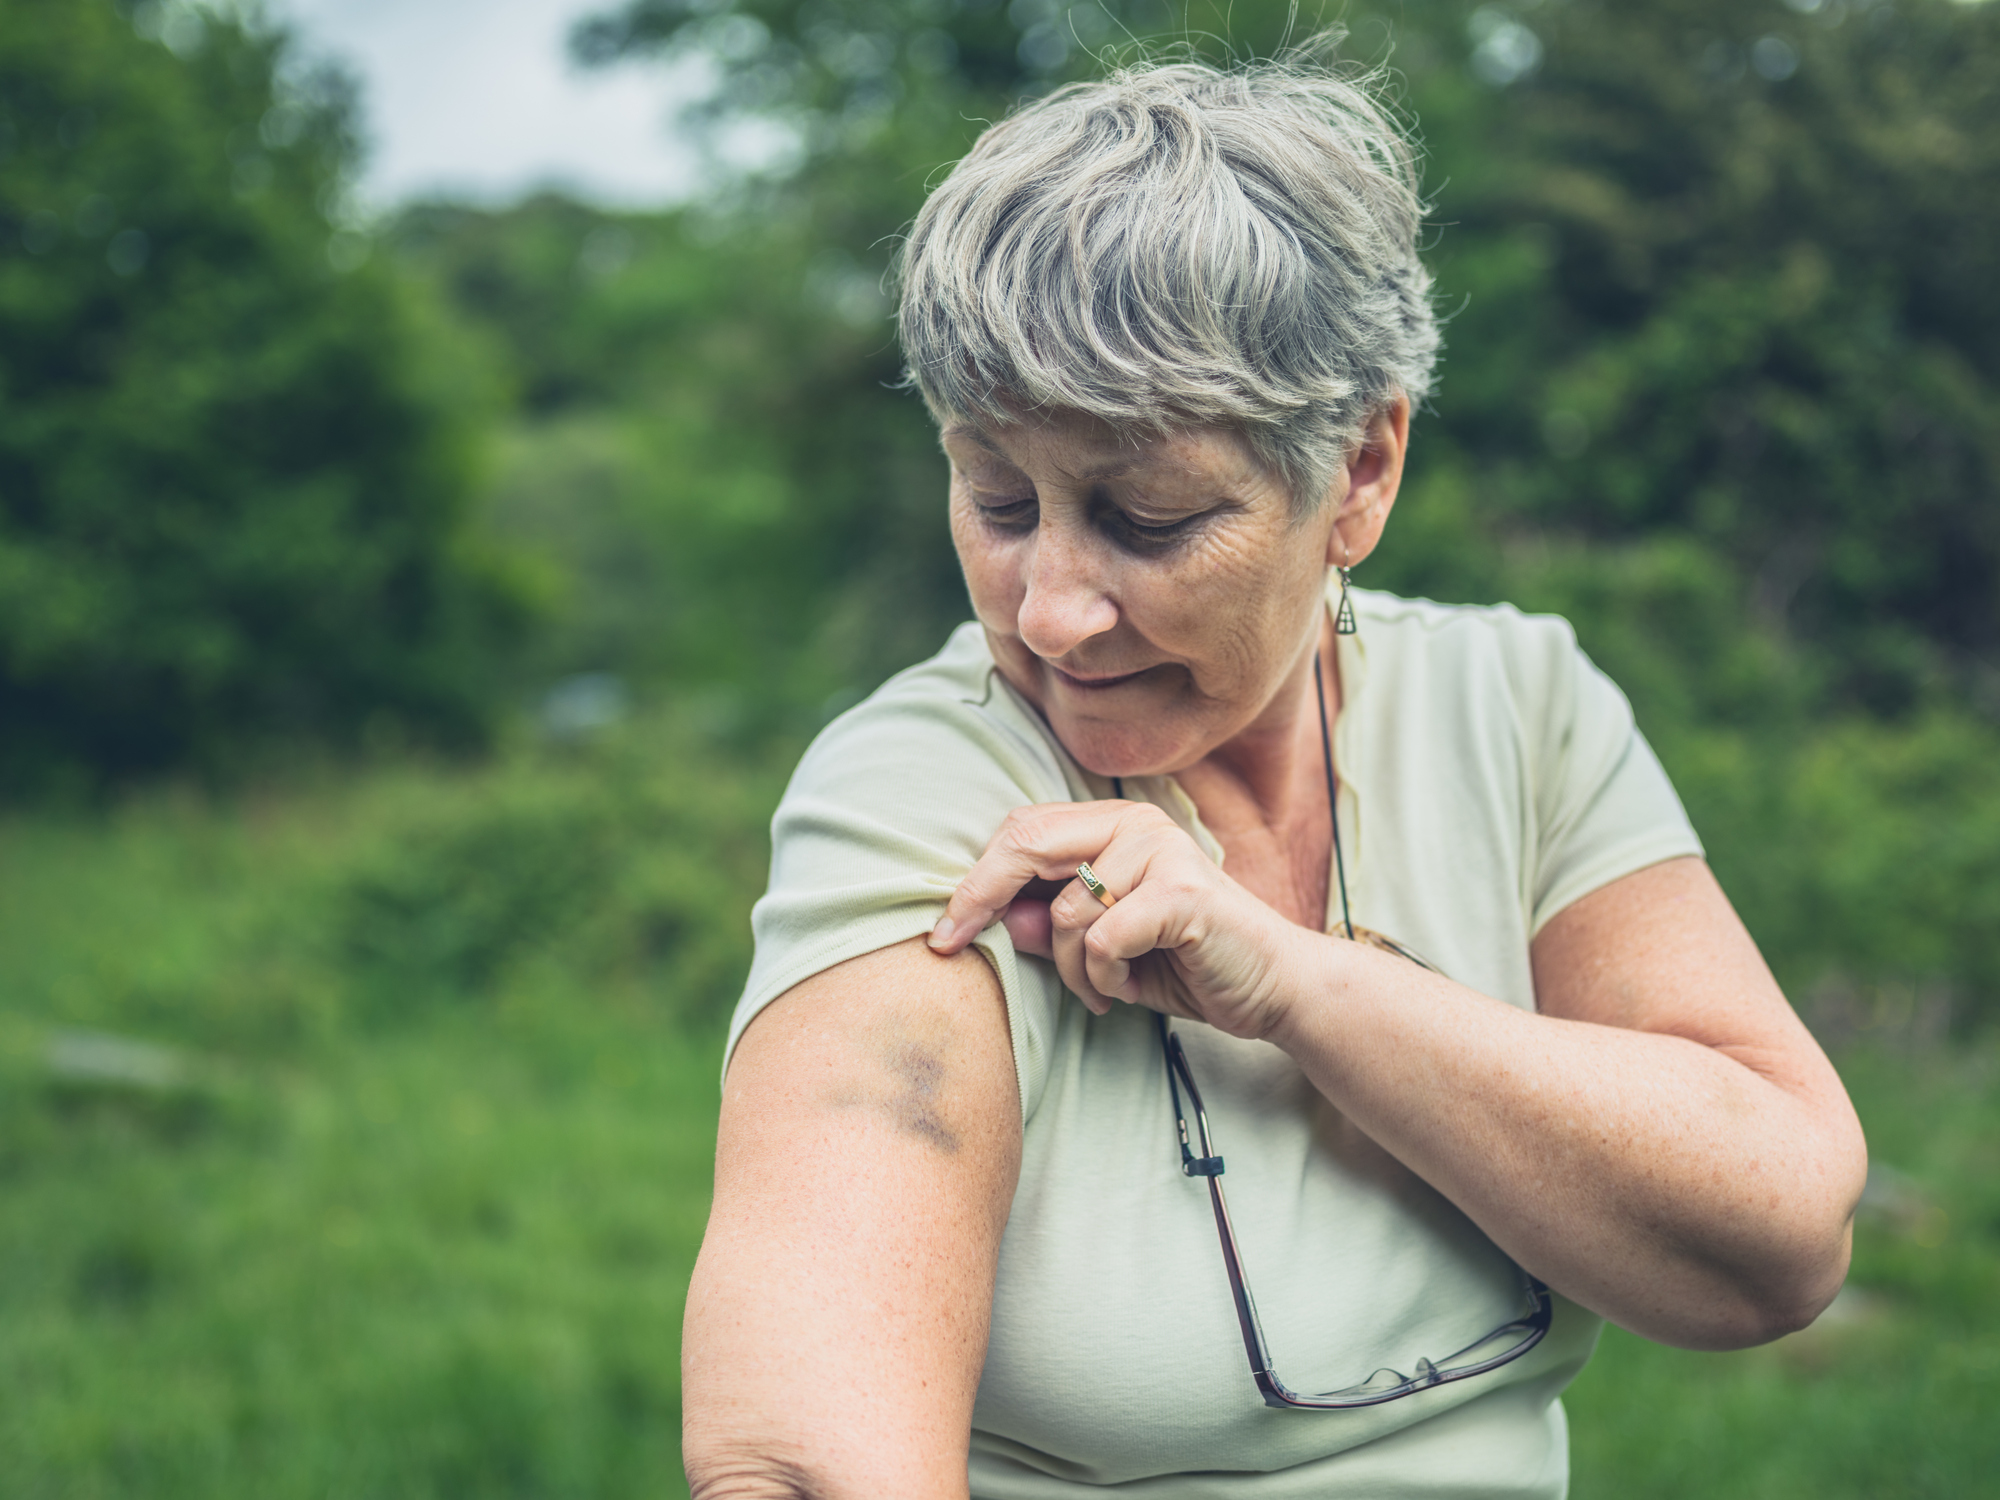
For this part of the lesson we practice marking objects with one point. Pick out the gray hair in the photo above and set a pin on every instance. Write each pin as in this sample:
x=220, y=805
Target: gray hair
x=1181, y=245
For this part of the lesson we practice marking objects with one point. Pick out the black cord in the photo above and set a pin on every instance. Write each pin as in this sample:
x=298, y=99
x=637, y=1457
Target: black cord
x=1332, y=796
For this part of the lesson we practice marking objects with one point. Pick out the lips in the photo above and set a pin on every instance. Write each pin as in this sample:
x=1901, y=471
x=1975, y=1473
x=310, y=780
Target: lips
x=1093, y=683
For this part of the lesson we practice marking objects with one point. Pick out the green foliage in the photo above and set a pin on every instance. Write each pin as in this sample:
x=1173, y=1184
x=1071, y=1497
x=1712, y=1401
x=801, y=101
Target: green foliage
x=1741, y=299
x=1717, y=270
x=1865, y=853
x=235, y=460
x=345, y=1220
x=365, y=1229
x=619, y=866
x=624, y=868
x=740, y=507
x=450, y=1263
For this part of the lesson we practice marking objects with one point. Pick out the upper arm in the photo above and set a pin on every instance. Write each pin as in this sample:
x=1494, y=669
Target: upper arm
x=868, y=1150
x=1661, y=950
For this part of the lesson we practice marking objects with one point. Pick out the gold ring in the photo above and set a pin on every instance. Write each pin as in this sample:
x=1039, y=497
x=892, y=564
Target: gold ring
x=1095, y=886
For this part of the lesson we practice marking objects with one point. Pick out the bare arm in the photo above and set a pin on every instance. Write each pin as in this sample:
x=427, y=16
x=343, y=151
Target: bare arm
x=1663, y=1142
x=836, y=1324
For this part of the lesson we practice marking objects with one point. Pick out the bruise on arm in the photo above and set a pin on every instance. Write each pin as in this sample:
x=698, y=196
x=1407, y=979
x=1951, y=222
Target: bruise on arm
x=903, y=1075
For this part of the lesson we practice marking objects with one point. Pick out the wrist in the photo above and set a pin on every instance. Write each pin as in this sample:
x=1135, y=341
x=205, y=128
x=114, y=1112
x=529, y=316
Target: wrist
x=1311, y=972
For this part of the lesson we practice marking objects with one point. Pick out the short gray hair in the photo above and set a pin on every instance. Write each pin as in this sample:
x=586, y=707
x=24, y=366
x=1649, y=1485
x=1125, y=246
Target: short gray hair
x=1181, y=245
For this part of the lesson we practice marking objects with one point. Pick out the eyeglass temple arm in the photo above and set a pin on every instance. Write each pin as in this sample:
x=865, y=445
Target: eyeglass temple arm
x=1209, y=1165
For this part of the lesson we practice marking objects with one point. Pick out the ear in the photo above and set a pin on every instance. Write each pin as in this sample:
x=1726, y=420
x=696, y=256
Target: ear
x=1366, y=489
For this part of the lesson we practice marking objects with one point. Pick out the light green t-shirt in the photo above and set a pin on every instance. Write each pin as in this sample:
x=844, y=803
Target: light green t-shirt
x=1489, y=776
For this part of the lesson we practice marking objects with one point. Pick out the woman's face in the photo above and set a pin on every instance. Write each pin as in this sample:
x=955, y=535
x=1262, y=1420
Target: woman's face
x=1149, y=596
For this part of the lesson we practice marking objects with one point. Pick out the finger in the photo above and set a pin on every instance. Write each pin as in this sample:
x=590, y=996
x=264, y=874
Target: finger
x=1079, y=907
x=1066, y=927
x=1029, y=925
x=1075, y=913
x=1070, y=964
x=1045, y=842
x=1125, y=951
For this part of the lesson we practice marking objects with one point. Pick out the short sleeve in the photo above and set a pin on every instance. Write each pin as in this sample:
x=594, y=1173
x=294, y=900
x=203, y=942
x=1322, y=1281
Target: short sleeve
x=888, y=810
x=1602, y=804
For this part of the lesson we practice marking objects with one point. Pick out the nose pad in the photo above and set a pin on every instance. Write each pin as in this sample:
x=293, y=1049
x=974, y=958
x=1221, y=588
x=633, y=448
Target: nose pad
x=1064, y=603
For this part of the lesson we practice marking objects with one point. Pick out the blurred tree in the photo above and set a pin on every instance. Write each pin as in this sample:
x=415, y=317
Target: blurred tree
x=710, y=451
x=235, y=458
x=1740, y=259
x=1717, y=272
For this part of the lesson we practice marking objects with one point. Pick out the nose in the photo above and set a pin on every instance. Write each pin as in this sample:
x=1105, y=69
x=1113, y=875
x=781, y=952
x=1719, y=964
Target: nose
x=1064, y=603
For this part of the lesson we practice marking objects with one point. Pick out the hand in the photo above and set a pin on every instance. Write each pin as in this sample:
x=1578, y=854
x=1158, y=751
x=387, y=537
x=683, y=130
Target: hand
x=1183, y=937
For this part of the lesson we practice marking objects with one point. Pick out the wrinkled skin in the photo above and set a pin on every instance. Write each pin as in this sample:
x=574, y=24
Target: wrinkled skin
x=1160, y=600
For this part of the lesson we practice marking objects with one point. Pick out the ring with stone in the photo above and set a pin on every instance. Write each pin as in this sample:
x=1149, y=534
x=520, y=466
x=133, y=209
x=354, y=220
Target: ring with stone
x=1095, y=886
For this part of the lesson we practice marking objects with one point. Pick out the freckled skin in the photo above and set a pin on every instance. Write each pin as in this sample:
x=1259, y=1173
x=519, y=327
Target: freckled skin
x=1215, y=619
x=867, y=1152
x=1183, y=560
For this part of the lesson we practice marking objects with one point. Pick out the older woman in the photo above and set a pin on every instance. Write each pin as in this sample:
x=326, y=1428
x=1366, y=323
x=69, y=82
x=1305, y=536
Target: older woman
x=1090, y=907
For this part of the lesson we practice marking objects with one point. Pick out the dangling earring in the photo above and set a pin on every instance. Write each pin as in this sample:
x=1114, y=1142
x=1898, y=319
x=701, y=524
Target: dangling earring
x=1343, y=619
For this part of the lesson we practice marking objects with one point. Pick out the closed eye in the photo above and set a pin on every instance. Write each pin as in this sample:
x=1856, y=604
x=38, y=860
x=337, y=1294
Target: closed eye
x=1135, y=535
x=1009, y=515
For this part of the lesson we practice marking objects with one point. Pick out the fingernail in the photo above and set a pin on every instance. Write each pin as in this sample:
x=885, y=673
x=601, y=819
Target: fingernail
x=942, y=934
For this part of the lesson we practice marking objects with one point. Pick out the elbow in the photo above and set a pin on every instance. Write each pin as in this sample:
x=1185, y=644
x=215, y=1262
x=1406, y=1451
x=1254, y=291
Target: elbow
x=1809, y=1260
x=721, y=1475
x=1775, y=1279
x=1740, y=1312
x=1788, y=1309
x=1789, y=1290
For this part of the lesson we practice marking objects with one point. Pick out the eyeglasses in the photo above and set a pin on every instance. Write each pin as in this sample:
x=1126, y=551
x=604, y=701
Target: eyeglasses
x=1503, y=1345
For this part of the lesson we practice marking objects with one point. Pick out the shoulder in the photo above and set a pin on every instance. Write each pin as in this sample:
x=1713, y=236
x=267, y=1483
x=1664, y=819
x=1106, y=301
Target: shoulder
x=889, y=807
x=1490, y=656
x=1493, y=635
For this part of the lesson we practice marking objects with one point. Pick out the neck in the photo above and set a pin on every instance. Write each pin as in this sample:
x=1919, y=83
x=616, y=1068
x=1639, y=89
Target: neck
x=1278, y=762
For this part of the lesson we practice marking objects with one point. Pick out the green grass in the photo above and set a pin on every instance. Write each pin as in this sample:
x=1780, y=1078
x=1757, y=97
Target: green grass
x=409, y=1209
x=1892, y=1395
x=446, y=1264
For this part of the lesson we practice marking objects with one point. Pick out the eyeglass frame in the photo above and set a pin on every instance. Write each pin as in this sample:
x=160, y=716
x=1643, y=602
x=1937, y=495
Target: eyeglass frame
x=1276, y=1394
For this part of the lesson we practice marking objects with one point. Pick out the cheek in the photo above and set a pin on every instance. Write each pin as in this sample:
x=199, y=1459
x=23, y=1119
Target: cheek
x=991, y=565
x=1226, y=602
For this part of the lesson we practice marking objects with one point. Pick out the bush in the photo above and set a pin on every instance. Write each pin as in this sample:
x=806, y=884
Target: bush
x=235, y=464
x=629, y=866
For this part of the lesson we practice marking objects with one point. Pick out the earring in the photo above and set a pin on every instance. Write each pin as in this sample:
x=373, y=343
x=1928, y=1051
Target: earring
x=1343, y=619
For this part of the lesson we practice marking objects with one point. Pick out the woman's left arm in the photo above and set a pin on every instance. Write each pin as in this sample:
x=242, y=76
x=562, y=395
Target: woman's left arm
x=1663, y=1142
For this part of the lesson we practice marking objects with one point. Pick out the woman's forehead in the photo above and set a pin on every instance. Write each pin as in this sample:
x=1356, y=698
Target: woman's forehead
x=1087, y=449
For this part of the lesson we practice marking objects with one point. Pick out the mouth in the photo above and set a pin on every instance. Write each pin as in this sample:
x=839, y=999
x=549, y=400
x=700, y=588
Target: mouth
x=1095, y=683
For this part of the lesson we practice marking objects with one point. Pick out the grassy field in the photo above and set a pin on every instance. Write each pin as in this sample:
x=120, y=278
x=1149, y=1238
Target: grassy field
x=1893, y=1393
x=354, y=1141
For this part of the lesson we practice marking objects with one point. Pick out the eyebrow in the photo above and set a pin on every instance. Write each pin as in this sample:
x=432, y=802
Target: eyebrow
x=974, y=434
x=1114, y=469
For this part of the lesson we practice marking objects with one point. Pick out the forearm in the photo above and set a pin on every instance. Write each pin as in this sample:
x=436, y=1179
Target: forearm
x=1656, y=1180
x=794, y=1391
x=1662, y=1140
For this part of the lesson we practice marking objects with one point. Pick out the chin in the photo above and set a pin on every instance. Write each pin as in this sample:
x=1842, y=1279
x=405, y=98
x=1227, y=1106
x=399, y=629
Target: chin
x=1125, y=749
